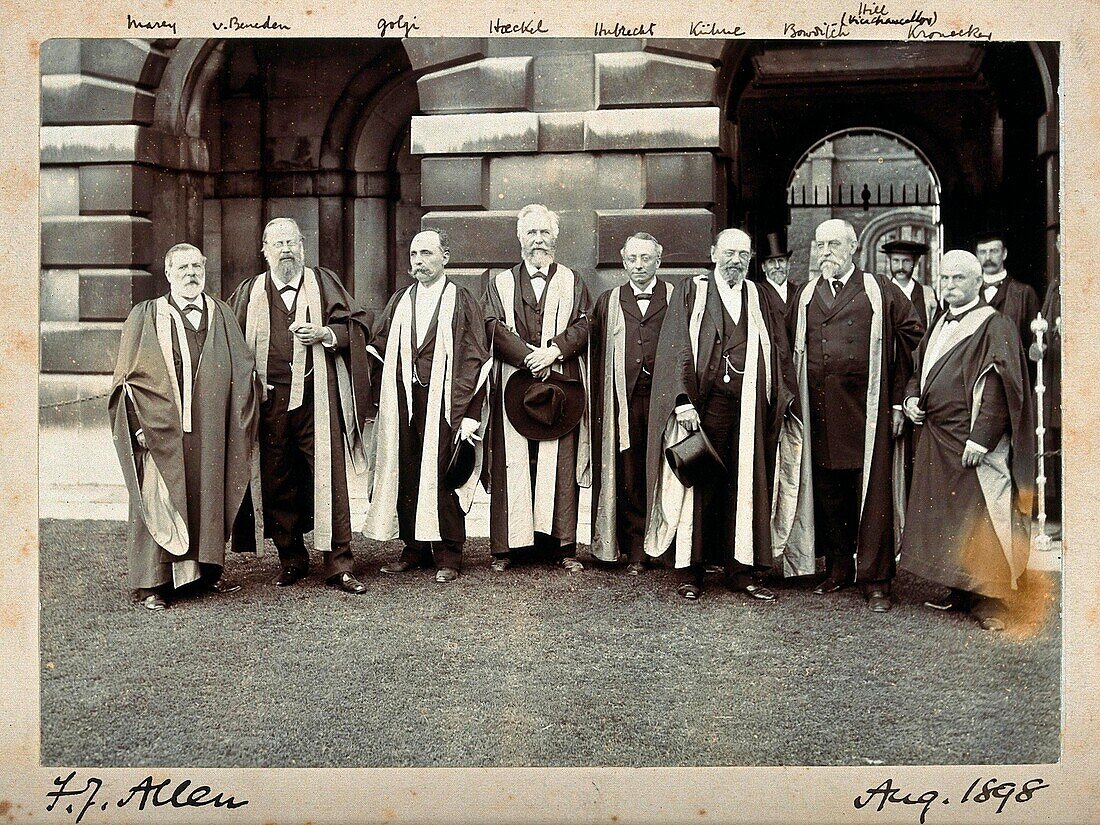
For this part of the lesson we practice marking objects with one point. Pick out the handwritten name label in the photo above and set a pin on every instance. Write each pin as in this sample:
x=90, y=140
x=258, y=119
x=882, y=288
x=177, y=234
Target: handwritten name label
x=971, y=32
x=236, y=24
x=623, y=30
x=876, y=14
x=149, y=25
x=918, y=24
x=406, y=27
x=145, y=792
x=825, y=30
x=709, y=28
x=499, y=26
x=887, y=794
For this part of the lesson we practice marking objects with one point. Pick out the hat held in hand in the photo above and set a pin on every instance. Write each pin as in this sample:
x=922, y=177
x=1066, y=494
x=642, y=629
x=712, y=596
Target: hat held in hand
x=694, y=458
x=543, y=410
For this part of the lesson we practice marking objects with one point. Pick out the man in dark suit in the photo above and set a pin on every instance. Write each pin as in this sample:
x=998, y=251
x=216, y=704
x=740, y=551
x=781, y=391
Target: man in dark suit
x=625, y=326
x=1004, y=293
x=854, y=333
x=775, y=264
x=902, y=257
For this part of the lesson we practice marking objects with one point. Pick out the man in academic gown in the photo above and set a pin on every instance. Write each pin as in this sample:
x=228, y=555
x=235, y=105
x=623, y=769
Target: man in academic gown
x=183, y=410
x=970, y=400
x=430, y=345
x=626, y=323
x=853, y=336
x=723, y=366
x=309, y=338
x=775, y=264
x=1010, y=297
x=536, y=320
x=903, y=257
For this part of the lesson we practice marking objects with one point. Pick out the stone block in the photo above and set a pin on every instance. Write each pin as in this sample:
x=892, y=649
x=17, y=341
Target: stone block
x=475, y=133
x=108, y=295
x=679, y=178
x=434, y=52
x=59, y=191
x=60, y=55
x=671, y=128
x=566, y=181
x=640, y=79
x=57, y=393
x=478, y=238
x=102, y=240
x=561, y=131
x=130, y=61
x=115, y=188
x=59, y=295
x=459, y=181
x=78, y=100
x=493, y=84
x=501, y=46
x=242, y=220
x=81, y=347
x=120, y=143
x=371, y=283
x=685, y=234
x=474, y=279
x=562, y=83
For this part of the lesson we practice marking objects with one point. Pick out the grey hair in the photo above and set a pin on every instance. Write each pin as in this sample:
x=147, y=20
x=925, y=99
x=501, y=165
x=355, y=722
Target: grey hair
x=849, y=230
x=180, y=247
x=444, y=238
x=732, y=230
x=964, y=260
x=642, y=236
x=537, y=209
x=291, y=221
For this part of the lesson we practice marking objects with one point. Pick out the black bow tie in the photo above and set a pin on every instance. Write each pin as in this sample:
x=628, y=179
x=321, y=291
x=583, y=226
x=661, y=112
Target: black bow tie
x=288, y=288
x=191, y=307
x=953, y=317
x=644, y=296
x=538, y=275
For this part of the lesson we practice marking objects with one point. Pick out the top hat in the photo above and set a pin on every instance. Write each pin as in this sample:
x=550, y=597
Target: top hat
x=914, y=248
x=776, y=246
x=543, y=410
x=694, y=458
x=460, y=466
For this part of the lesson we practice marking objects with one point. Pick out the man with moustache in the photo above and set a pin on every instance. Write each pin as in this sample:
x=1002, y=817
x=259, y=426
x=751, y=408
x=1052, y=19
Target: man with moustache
x=775, y=263
x=902, y=257
x=183, y=409
x=969, y=397
x=310, y=339
x=431, y=347
x=722, y=366
x=1004, y=293
x=625, y=326
x=853, y=335
x=537, y=321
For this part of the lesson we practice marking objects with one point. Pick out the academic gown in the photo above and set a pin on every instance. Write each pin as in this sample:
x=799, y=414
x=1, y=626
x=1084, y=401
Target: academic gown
x=967, y=527
x=187, y=513
x=1020, y=304
x=512, y=331
x=622, y=353
x=348, y=388
x=689, y=366
x=844, y=428
x=400, y=479
x=768, y=290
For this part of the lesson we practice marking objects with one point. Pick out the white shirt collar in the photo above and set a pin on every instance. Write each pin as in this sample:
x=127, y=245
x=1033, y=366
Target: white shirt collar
x=181, y=303
x=990, y=280
x=780, y=288
x=647, y=288
x=907, y=289
x=533, y=271
x=964, y=307
x=295, y=282
x=844, y=278
x=426, y=292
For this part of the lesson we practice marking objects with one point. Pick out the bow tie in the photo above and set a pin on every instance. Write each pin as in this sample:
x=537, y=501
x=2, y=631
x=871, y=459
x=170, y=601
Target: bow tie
x=287, y=288
x=644, y=296
x=953, y=317
x=541, y=275
x=192, y=307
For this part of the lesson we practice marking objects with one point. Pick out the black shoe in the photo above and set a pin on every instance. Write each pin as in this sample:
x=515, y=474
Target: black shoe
x=223, y=586
x=635, y=568
x=446, y=574
x=758, y=592
x=691, y=592
x=831, y=585
x=154, y=601
x=501, y=563
x=878, y=601
x=289, y=576
x=348, y=583
x=400, y=566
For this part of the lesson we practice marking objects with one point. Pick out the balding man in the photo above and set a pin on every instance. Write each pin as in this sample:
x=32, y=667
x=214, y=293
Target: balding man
x=310, y=342
x=430, y=344
x=969, y=398
x=722, y=368
x=626, y=324
x=853, y=335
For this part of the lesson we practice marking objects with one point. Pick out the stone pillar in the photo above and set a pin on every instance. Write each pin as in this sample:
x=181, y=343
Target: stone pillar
x=574, y=125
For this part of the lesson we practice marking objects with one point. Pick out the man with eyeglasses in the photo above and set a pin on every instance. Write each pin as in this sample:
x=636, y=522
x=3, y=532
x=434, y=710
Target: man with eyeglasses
x=310, y=341
x=626, y=323
x=970, y=399
x=853, y=336
x=722, y=367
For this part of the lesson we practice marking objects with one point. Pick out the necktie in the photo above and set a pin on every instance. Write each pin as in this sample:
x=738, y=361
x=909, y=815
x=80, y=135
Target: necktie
x=836, y=285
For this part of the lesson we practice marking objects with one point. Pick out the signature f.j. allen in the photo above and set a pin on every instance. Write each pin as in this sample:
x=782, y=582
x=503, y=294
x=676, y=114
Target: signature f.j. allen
x=145, y=793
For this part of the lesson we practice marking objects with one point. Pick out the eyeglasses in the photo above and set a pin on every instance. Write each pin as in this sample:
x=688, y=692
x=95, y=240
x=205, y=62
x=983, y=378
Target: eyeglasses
x=740, y=254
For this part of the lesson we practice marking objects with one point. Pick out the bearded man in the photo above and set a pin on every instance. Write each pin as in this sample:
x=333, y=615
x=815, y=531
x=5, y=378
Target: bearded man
x=183, y=409
x=310, y=342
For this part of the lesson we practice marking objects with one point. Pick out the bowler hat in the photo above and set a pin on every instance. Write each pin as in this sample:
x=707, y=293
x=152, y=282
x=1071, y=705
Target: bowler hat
x=543, y=410
x=693, y=458
x=914, y=248
x=460, y=466
x=775, y=246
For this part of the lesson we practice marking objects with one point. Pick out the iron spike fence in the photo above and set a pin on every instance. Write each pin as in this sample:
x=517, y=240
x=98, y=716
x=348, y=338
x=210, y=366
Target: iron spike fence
x=803, y=197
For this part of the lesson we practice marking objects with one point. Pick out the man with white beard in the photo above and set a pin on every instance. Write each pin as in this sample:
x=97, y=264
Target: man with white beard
x=853, y=335
x=310, y=341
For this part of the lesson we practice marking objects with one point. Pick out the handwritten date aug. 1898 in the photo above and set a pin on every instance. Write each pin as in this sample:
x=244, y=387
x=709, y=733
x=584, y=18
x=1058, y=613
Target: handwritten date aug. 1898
x=978, y=792
x=145, y=793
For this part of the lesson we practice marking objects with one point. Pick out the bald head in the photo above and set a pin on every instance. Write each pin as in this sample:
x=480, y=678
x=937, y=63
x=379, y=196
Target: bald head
x=731, y=254
x=960, y=277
